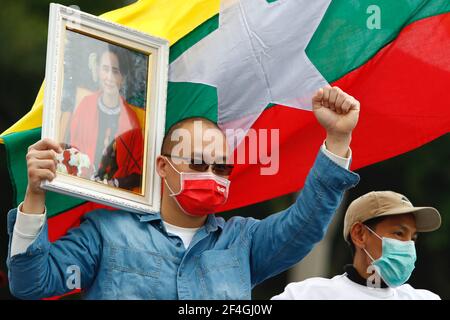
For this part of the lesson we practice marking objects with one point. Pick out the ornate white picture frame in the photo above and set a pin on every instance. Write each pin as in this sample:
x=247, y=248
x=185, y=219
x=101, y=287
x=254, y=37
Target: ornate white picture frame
x=104, y=103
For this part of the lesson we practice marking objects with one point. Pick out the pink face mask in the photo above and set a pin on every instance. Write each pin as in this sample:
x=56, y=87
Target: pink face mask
x=201, y=193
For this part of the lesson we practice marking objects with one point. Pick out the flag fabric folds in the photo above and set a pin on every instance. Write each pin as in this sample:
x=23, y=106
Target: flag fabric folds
x=399, y=72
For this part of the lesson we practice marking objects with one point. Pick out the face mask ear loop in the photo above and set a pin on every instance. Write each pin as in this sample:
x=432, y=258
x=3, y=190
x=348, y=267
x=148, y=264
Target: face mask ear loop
x=376, y=236
x=170, y=189
x=172, y=165
x=368, y=254
x=165, y=180
x=373, y=232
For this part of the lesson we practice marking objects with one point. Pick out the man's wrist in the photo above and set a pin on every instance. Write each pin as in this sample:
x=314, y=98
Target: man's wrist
x=33, y=203
x=339, y=144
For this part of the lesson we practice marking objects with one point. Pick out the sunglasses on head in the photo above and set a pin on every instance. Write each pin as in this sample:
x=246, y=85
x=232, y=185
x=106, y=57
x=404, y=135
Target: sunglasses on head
x=221, y=169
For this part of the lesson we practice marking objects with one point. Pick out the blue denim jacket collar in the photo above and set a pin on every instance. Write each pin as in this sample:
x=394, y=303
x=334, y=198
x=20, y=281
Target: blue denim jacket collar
x=211, y=224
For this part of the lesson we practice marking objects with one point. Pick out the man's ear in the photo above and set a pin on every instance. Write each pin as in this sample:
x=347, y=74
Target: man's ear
x=358, y=235
x=161, y=166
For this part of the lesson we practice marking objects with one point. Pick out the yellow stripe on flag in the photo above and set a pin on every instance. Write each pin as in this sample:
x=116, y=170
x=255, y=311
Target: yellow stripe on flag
x=171, y=20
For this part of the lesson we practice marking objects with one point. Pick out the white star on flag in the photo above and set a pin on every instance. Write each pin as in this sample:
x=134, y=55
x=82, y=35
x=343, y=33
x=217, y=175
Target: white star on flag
x=256, y=57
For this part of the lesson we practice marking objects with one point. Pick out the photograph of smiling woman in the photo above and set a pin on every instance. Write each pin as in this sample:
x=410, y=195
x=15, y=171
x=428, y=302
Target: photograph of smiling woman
x=105, y=127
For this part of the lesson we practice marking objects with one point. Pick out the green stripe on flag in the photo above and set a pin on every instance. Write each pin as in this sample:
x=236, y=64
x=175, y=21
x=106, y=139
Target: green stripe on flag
x=191, y=99
x=17, y=147
x=188, y=100
x=343, y=42
x=193, y=37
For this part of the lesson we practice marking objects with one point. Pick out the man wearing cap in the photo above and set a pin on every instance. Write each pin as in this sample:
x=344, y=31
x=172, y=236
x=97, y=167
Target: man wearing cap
x=381, y=228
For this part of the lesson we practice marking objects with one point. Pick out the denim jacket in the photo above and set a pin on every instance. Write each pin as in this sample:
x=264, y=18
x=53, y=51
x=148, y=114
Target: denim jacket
x=124, y=255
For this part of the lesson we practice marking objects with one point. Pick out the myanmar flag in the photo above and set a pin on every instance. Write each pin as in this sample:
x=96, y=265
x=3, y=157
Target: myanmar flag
x=247, y=59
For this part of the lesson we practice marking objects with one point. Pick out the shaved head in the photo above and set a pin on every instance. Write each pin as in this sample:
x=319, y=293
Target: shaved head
x=187, y=123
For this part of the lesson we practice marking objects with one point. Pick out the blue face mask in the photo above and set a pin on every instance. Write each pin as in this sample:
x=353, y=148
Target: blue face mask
x=396, y=262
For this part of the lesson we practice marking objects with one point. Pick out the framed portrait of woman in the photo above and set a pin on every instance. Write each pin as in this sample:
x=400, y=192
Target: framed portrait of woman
x=104, y=103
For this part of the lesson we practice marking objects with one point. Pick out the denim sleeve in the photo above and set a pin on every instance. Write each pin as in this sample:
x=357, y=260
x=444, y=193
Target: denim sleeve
x=51, y=269
x=283, y=239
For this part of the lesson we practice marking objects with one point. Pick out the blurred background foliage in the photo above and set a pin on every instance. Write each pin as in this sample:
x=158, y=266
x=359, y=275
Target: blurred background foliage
x=423, y=175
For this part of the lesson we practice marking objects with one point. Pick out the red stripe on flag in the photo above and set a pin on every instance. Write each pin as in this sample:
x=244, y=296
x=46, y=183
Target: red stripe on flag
x=404, y=95
x=64, y=295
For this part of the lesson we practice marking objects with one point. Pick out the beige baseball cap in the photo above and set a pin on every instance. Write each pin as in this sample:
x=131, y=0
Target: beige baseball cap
x=385, y=203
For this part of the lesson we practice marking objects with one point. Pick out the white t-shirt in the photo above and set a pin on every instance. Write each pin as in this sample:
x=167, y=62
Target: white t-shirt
x=342, y=288
x=185, y=234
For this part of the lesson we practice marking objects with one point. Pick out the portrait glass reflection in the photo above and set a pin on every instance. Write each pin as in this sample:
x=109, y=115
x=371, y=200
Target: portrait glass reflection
x=103, y=112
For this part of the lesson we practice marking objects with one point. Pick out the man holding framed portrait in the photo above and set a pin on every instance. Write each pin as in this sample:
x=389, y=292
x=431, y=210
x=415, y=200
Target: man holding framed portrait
x=164, y=242
x=184, y=251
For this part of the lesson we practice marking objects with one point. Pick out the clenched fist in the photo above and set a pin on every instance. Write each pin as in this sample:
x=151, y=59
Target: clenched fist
x=338, y=114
